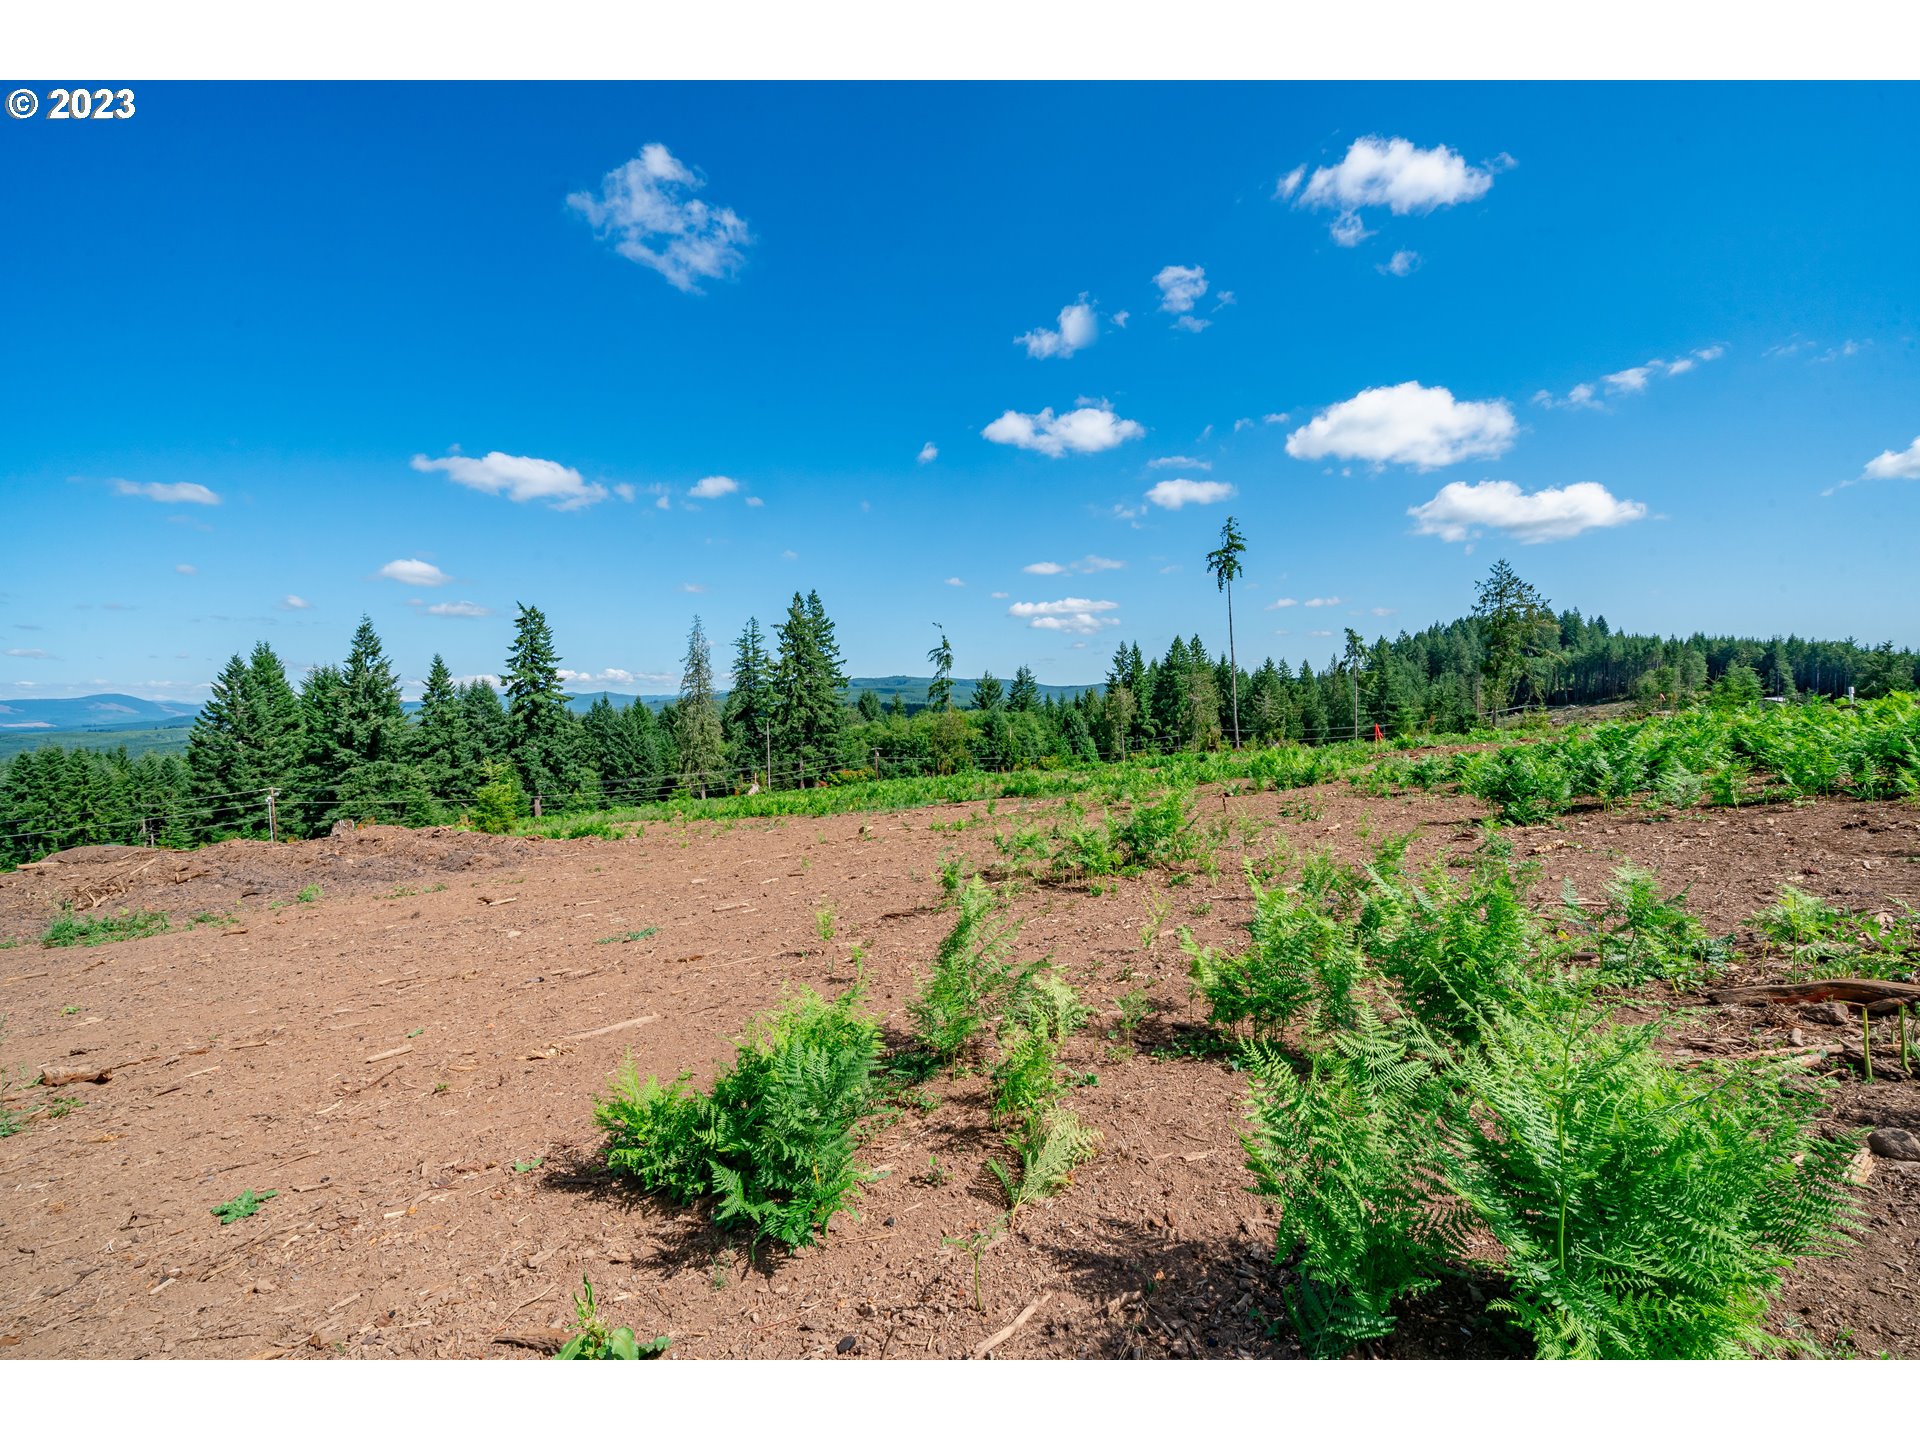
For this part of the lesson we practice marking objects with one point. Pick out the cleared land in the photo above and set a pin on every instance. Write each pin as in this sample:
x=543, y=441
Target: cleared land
x=408, y=1060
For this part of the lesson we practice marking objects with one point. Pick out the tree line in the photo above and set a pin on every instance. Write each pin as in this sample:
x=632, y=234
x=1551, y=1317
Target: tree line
x=340, y=745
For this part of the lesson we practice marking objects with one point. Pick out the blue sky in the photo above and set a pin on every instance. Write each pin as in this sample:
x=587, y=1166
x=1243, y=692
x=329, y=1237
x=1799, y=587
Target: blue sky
x=1657, y=345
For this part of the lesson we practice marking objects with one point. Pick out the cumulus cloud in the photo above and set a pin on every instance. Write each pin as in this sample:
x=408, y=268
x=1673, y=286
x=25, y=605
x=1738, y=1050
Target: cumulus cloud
x=1180, y=286
x=1580, y=397
x=1322, y=602
x=1285, y=602
x=294, y=602
x=519, y=477
x=625, y=491
x=1406, y=424
x=1403, y=263
x=184, y=492
x=1077, y=329
x=713, y=487
x=1175, y=494
x=648, y=209
x=414, y=572
x=1045, y=567
x=1887, y=465
x=614, y=675
x=956, y=581
x=1395, y=175
x=1461, y=511
x=1072, y=616
x=929, y=453
x=1179, y=462
x=1085, y=431
x=460, y=610
x=1276, y=417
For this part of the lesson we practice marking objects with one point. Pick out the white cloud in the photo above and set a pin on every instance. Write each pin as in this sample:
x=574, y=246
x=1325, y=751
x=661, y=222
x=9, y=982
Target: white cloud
x=1887, y=465
x=1180, y=286
x=1380, y=612
x=648, y=209
x=1286, y=602
x=183, y=493
x=294, y=602
x=1714, y=352
x=460, y=610
x=1349, y=230
x=1407, y=424
x=1072, y=615
x=519, y=477
x=1396, y=174
x=956, y=581
x=614, y=675
x=1277, y=417
x=1174, y=494
x=998, y=595
x=1461, y=510
x=1580, y=397
x=1289, y=183
x=1085, y=431
x=1086, y=565
x=186, y=570
x=625, y=491
x=1179, y=462
x=754, y=502
x=414, y=572
x=1119, y=318
x=1192, y=324
x=713, y=487
x=1322, y=602
x=1403, y=263
x=1630, y=381
x=929, y=453
x=789, y=554
x=1242, y=424
x=1319, y=634
x=688, y=587
x=1078, y=328
x=30, y=654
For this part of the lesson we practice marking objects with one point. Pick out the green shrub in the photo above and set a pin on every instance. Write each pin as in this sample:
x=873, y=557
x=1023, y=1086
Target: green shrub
x=774, y=1142
x=1302, y=962
x=499, y=804
x=72, y=929
x=1048, y=1148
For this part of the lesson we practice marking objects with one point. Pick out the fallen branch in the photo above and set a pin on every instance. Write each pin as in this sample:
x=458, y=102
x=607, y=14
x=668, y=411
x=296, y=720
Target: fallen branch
x=389, y=1054
x=981, y=1350
x=1848, y=990
x=610, y=1029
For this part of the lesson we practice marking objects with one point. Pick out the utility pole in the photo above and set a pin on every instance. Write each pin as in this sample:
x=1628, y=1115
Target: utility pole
x=536, y=804
x=273, y=823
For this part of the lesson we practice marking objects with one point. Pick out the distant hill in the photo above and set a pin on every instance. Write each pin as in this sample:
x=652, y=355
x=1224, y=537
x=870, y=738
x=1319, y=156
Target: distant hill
x=85, y=711
x=107, y=721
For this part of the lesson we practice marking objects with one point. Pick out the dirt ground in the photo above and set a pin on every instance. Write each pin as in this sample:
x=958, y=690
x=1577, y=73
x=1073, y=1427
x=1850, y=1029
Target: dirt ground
x=409, y=1060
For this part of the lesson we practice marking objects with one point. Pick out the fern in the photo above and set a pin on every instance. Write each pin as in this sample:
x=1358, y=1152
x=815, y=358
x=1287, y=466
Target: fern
x=970, y=972
x=774, y=1143
x=1049, y=1147
x=1348, y=1153
x=1645, y=1211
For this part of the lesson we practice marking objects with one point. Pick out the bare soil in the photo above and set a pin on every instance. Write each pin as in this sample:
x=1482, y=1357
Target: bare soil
x=409, y=1061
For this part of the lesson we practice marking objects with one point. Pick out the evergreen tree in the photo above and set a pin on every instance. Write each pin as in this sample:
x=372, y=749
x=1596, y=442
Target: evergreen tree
x=940, y=688
x=749, y=710
x=987, y=694
x=703, y=755
x=443, y=746
x=807, y=686
x=1021, y=697
x=1516, y=624
x=540, y=728
x=357, y=762
x=486, y=720
x=222, y=760
x=869, y=706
